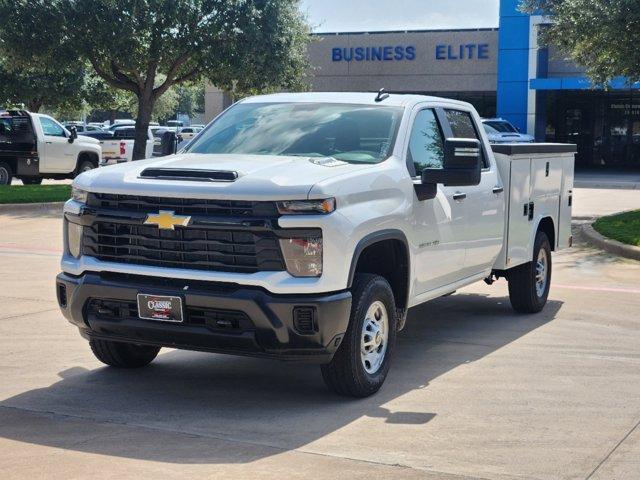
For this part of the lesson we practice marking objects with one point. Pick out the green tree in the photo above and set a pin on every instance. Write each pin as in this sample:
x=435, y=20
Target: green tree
x=236, y=44
x=601, y=35
x=39, y=85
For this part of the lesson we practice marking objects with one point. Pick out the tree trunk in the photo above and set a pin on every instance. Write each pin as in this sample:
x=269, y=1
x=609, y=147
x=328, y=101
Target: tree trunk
x=34, y=105
x=145, y=107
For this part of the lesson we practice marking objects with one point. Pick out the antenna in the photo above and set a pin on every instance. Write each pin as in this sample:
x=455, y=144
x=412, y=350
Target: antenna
x=381, y=95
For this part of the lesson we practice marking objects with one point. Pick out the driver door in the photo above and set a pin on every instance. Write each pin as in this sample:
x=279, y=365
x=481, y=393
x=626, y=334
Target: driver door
x=439, y=228
x=58, y=156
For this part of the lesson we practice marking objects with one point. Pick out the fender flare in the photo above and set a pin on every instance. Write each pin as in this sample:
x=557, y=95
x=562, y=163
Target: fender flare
x=376, y=237
x=534, y=232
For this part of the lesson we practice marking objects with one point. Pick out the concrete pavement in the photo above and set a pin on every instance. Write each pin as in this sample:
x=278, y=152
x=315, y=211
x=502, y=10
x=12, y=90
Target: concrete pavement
x=475, y=390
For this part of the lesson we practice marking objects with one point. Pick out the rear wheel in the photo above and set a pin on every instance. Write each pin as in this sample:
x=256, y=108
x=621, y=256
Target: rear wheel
x=31, y=180
x=529, y=283
x=123, y=355
x=6, y=174
x=361, y=364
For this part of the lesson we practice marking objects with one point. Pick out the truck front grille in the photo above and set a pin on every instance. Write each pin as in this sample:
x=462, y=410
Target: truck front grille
x=242, y=251
x=183, y=206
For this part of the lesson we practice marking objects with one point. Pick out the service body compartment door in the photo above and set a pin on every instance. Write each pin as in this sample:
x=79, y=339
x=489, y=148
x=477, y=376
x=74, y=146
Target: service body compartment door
x=518, y=235
x=566, y=202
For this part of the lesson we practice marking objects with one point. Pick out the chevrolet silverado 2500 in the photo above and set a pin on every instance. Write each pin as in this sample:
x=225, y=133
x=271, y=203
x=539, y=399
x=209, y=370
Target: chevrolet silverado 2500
x=304, y=226
x=34, y=146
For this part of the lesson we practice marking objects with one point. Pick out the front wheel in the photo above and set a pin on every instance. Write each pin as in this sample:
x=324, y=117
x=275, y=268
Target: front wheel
x=529, y=283
x=85, y=166
x=123, y=355
x=361, y=363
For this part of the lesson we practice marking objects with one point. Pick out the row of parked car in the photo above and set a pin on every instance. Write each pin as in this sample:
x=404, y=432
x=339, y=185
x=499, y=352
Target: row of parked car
x=117, y=139
x=34, y=146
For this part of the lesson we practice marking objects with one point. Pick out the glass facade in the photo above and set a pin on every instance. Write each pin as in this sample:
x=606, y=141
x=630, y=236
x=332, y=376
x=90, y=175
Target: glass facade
x=604, y=124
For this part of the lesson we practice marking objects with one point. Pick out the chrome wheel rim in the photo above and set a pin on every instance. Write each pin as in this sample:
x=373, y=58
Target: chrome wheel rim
x=375, y=336
x=542, y=266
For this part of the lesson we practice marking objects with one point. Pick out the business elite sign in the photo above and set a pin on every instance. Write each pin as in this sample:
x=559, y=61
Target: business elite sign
x=390, y=53
x=385, y=53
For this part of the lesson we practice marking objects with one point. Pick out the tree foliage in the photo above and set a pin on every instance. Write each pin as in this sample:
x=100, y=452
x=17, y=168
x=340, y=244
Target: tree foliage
x=601, y=35
x=41, y=84
x=236, y=44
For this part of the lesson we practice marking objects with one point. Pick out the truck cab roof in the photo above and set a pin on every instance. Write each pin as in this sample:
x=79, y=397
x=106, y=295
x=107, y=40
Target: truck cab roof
x=363, y=98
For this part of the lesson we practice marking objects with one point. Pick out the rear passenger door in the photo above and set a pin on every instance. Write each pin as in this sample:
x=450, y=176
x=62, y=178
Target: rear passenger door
x=439, y=223
x=484, y=202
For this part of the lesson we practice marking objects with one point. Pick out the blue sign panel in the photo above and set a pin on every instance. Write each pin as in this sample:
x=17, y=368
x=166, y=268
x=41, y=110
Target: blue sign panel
x=385, y=53
x=467, y=51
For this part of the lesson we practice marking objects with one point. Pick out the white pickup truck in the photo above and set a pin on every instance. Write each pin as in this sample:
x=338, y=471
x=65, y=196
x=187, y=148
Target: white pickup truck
x=119, y=147
x=34, y=146
x=304, y=226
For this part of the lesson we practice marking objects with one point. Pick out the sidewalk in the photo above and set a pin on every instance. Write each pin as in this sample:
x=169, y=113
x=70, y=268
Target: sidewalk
x=600, y=179
x=591, y=203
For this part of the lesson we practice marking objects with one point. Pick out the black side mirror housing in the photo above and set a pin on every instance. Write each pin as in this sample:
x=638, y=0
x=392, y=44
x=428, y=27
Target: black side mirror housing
x=462, y=164
x=73, y=133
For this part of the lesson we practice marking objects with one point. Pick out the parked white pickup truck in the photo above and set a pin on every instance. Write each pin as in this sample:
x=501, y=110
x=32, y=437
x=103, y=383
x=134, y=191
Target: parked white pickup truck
x=34, y=146
x=119, y=147
x=304, y=226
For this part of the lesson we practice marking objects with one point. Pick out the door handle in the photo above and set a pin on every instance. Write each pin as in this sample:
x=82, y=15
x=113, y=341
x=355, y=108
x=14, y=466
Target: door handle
x=497, y=189
x=48, y=143
x=459, y=196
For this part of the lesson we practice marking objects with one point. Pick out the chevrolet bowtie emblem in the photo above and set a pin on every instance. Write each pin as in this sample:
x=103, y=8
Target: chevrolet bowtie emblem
x=167, y=220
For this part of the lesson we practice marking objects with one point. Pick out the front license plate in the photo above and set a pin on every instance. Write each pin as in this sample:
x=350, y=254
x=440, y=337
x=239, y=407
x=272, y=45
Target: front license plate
x=160, y=307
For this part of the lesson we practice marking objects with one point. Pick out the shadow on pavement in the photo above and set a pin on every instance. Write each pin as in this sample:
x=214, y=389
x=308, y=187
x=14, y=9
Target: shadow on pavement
x=267, y=404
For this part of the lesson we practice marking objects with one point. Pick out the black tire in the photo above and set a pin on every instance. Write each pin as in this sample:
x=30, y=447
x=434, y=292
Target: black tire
x=6, y=174
x=85, y=166
x=346, y=373
x=123, y=355
x=525, y=294
x=31, y=180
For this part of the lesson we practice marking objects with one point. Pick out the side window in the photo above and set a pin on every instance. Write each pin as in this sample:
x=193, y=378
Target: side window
x=462, y=126
x=426, y=145
x=51, y=128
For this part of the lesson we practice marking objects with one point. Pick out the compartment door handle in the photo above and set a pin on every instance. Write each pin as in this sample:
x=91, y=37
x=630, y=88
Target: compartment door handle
x=459, y=196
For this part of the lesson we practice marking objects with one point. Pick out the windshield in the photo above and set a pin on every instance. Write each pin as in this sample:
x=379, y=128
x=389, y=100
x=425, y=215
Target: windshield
x=489, y=128
x=501, y=126
x=353, y=133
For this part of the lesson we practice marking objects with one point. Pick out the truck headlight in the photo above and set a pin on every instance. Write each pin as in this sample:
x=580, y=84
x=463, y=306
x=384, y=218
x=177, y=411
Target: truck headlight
x=301, y=207
x=302, y=256
x=79, y=195
x=74, y=238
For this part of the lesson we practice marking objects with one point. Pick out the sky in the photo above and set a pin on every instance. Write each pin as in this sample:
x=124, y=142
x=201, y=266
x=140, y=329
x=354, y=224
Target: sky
x=374, y=15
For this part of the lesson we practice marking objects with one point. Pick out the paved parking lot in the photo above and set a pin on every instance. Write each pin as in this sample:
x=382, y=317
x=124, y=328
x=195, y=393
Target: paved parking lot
x=475, y=390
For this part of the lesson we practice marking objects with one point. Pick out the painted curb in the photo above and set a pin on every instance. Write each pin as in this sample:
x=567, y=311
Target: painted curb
x=609, y=245
x=9, y=208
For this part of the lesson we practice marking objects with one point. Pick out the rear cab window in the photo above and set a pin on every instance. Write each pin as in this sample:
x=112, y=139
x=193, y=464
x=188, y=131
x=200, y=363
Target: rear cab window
x=463, y=126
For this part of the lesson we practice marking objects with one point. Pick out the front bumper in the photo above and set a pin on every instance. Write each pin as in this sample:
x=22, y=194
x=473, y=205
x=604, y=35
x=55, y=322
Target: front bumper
x=262, y=324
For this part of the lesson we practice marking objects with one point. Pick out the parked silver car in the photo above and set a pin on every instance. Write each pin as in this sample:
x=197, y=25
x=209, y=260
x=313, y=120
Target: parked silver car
x=500, y=130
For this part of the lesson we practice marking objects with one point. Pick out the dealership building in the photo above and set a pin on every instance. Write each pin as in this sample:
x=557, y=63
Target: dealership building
x=503, y=72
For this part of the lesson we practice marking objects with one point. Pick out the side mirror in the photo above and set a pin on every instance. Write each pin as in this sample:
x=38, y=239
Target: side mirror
x=462, y=164
x=73, y=133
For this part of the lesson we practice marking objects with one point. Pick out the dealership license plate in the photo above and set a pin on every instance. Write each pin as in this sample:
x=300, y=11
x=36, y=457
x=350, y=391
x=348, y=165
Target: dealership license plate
x=160, y=307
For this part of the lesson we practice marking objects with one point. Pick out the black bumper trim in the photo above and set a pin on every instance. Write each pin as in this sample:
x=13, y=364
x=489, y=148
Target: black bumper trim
x=273, y=333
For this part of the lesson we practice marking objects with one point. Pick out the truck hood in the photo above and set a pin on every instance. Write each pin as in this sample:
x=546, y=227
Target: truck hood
x=260, y=177
x=84, y=139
